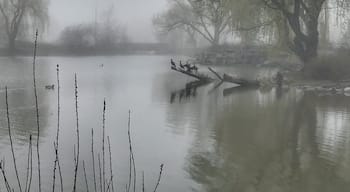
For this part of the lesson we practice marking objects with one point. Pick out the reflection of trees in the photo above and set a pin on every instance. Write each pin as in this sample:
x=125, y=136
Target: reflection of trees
x=271, y=147
x=22, y=114
x=16, y=74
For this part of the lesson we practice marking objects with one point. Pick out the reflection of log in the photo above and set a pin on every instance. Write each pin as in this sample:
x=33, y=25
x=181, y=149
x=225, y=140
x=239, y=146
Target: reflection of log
x=189, y=91
x=240, y=81
x=238, y=89
x=199, y=76
x=195, y=84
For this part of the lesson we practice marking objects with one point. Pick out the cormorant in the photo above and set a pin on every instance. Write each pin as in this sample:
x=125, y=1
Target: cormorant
x=182, y=66
x=172, y=63
x=195, y=68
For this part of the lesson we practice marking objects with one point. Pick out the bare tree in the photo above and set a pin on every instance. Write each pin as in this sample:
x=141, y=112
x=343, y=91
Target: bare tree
x=302, y=17
x=16, y=12
x=207, y=18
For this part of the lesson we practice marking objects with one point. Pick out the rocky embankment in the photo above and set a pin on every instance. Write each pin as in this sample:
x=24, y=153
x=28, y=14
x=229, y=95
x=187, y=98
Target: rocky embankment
x=325, y=87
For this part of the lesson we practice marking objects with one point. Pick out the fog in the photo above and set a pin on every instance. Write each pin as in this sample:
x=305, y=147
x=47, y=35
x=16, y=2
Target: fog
x=135, y=15
x=175, y=95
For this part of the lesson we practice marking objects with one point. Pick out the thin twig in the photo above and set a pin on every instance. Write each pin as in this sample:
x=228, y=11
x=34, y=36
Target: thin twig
x=60, y=174
x=37, y=108
x=159, y=177
x=93, y=158
x=56, y=144
x=78, y=142
x=2, y=168
x=143, y=181
x=103, y=145
x=99, y=166
x=54, y=168
x=11, y=143
x=86, y=182
x=29, y=165
x=110, y=161
x=131, y=158
x=131, y=151
x=109, y=184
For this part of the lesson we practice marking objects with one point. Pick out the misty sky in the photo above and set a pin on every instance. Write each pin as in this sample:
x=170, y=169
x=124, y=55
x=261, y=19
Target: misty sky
x=136, y=15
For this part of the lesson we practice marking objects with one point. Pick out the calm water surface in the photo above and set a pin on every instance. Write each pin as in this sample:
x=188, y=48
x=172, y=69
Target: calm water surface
x=209, y=139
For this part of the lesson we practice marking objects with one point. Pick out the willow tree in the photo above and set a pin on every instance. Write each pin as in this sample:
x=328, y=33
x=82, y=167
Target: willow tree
x=207, y=18
x=17, y=13
x=302, y=17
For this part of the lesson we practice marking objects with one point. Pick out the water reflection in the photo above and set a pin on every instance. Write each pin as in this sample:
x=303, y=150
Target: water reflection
x=276, y=144
x=16, y=74
x=190, y=91
x=212, y=139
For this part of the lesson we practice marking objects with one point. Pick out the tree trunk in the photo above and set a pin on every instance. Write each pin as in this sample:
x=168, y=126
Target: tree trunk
x=11, y=44
x=216, y=38
x=303, y=22
x=283, y=33
x=324, y=27
x=304, y=45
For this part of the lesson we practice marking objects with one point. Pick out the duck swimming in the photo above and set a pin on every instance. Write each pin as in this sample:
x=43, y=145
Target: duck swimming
x=50, y=86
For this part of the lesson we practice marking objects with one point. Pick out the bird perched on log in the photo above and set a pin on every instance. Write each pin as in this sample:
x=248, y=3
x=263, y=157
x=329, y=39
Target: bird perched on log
x=172, y=62
x=194, y=68
x=173, y=65
x=182, y=66
x=188, y=67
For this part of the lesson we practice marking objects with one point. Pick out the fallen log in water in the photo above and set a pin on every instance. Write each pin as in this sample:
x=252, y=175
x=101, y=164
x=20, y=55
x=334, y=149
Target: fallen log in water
x=240, y=81
x=235, y=80
x=238, y=89
x=199, y=76
x=225, y=78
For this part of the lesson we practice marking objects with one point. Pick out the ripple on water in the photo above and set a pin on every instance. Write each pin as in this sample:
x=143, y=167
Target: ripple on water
x=332, y=134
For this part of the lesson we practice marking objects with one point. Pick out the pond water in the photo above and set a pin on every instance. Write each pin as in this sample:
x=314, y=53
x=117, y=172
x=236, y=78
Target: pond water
x=209, y=139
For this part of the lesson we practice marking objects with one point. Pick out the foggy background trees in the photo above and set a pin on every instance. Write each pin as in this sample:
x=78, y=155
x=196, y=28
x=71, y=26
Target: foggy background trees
x=102, y=35
x=20, y=16
x=300, y=27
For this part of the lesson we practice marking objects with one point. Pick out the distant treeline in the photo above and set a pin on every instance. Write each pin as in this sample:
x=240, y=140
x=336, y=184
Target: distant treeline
x=51, y=49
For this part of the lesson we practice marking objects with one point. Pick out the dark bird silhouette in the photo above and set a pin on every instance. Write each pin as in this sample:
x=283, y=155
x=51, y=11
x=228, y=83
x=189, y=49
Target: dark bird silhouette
x=173, y=65
x=49, y=86
x=172, y=62
x=194, y=68
x=182, y=66
x=187, y=67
